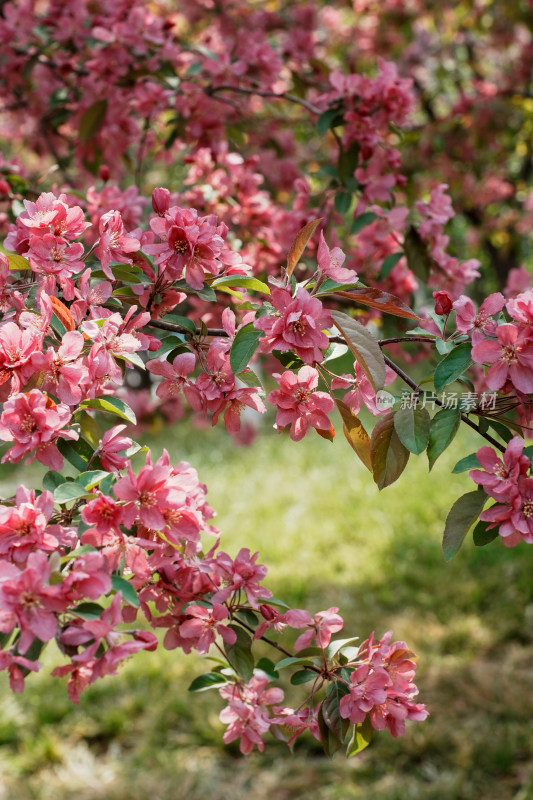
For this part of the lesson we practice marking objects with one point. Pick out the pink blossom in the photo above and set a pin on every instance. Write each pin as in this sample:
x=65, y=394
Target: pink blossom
x=321, y=626
x=14, y=665
x=114, y=244
x=298, y=404
x=466, y=319
x=521, y=308
x=298, y=325
x=175, y=376
x=204, y=624
x=240, y=574
x=246, y=713
x=233, y=404
x=34, y=422
x=515, y=517
x=26, y=601
x=16, y=350
x=23, y=527
x=111, y=444
x=330, y=263
x=53, y=255
x=103, y=512
x=511, y=357
x=499, y=476
x=64, y=372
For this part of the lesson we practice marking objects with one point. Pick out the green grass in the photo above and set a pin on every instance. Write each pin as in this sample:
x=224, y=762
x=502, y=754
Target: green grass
x=329, y=538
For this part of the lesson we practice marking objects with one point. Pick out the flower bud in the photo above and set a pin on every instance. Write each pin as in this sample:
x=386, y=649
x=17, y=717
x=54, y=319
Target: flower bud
x=160, y=200
x=104, y=173
x=268, y=612
x=443, y=302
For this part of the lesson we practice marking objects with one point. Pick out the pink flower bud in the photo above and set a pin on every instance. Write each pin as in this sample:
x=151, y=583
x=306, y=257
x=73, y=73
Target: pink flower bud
x=160, y=200
x=443, y=302
x=268, y=612
x=4, y=187
x=104, y=173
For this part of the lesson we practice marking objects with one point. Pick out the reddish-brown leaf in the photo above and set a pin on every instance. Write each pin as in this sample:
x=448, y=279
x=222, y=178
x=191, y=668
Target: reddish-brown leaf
x=375, y=298
x=388, y=454
x=298, y=246
x=63, y=314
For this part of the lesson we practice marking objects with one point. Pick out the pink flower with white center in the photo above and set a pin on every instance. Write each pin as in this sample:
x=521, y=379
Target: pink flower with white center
x=34, y=422
x=468, y=321
x=52, y=214
x=63, y=371
x=26, y=601
x=103, y=512
x=499, y=476
x=233, y=404
x=241, y=574
x=298, y=326
x=148, y=494
x=321, y=627
x=114, y=244
x=191, y=245
x=521, y=308
x=111, y=444
x=511, y=357
x=515, y=517
x=246, y=712
x=298, y=404
x=204, y=626
x=175, y=375
x=53, y=255
x=330, y=263
x=23, y=527
x=16, y=350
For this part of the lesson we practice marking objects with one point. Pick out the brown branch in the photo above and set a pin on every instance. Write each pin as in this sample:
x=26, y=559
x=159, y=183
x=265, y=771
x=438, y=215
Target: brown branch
x=292, y=98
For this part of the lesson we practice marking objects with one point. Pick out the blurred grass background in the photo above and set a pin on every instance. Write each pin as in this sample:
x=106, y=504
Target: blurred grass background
x=329, y=538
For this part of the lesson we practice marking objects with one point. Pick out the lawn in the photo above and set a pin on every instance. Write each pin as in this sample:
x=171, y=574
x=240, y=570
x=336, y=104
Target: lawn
x=329, y=538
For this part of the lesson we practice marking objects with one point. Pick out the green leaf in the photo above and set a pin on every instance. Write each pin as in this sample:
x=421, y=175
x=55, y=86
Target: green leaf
x=468, y=462
x=412, y=426
x=88, y=610
x=388, y=455
x=92, y=120
x=452, y=366
x=303, y=676
x=205, y=293
x=129, y=593
x=69, y=491
x=389, y=263
x=247, y=616
x=243, y=347
x=364, y=347
x=460, y=519
x=132, y=358
x=444, y=426
x=17, y=262
x=184, y=322
x=291, y=660
x=482, y=536
x=330, y=710
x=329, y=119
x=343, y=201
x=288, y=359
x=92, y=478
x=52, y=480
x=243, y=281
x=249, y=378
x=240, y=654
x=361, y=738
x=209, y=680
x=337, y=644
x=362, y=221
x=113, y=405
x=269, y=668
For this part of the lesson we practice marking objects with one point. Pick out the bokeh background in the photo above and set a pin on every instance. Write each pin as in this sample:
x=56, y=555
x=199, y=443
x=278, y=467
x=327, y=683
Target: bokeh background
x=329, y=538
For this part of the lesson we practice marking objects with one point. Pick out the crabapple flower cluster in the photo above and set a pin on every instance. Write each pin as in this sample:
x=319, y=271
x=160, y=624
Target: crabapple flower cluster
x=128, y=536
